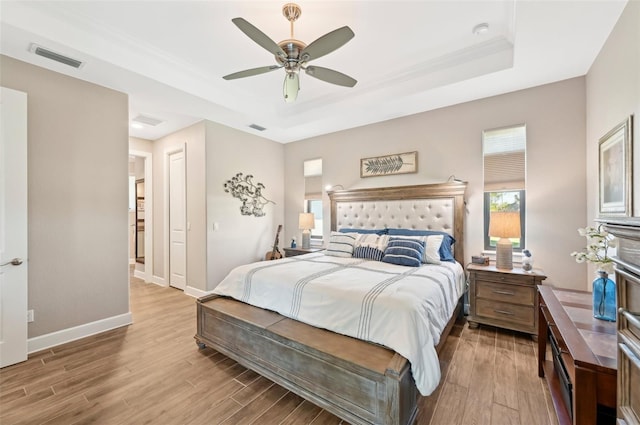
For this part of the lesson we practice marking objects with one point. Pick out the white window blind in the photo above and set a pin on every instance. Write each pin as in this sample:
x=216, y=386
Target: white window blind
x=313, y=179
x=504, y=152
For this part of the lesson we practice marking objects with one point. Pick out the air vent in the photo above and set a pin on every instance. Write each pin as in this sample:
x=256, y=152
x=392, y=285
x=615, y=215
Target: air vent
x=257, y=127
x=49, y=54
x=147, y=120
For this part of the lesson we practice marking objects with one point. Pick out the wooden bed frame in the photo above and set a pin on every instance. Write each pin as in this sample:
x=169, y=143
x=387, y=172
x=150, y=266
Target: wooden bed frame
x=360, y=382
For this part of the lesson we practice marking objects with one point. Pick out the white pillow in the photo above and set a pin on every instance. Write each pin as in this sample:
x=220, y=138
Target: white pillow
x=341, y=244
x=372, y=240
x=370, y=246
x=431, y=247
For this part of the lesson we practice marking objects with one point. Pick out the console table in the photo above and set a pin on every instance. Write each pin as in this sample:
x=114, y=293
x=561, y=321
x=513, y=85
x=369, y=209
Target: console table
x=582, y=372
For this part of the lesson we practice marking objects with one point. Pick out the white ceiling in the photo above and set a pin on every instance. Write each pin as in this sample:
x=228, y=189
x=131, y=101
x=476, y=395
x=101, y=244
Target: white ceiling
x=408, y=56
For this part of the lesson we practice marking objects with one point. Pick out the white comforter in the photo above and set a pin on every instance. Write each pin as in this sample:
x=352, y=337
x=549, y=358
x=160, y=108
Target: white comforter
x=403, y=308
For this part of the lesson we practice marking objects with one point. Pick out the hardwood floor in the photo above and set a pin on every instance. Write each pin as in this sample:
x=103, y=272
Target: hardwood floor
x=153, y=372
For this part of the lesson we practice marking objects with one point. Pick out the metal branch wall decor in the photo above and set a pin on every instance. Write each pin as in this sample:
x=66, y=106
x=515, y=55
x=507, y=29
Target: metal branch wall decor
x=249, y=193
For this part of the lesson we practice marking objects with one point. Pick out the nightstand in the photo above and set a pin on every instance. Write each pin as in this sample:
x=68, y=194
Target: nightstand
x=292, y=252
x=504, y=298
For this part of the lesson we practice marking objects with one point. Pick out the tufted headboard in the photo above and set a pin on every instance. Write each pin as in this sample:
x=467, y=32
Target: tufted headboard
x=424, y=207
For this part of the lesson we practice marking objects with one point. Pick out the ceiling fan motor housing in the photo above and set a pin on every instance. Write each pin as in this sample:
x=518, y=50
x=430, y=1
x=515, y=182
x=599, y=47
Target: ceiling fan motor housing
x=292, y=48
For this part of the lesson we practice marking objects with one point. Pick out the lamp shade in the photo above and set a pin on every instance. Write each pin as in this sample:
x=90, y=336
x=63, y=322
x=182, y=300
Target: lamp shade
x=504, y=224
x=306, y=221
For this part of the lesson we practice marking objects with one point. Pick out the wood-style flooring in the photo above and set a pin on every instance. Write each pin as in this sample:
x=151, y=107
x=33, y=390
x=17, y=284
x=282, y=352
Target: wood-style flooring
x=153, y=372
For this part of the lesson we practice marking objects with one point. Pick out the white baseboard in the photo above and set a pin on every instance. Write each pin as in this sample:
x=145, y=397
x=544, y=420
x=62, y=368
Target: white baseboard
x=159, y=281
x=63, y=336
x=132, y=261
x=140, y=274
x=195, y=292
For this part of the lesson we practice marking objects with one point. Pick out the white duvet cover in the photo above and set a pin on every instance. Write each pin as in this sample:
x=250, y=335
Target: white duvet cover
x=402, y=308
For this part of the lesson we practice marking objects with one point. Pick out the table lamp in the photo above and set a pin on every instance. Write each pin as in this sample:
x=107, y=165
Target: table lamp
x=504, y=225
x=306, y=222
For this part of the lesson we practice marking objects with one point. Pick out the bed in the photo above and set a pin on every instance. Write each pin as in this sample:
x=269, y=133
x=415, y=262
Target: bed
x=362, y=382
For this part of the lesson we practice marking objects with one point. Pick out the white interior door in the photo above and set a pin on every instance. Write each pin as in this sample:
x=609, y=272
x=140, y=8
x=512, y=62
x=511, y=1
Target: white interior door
x=177, y=221
x=13, y=226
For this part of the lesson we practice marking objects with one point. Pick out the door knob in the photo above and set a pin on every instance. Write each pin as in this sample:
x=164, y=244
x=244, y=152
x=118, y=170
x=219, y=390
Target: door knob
x=15, y=262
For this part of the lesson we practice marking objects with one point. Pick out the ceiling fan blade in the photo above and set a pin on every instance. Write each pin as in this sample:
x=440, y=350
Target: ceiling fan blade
x=330, y=76
x=258, y=36
x=327, y=43
x=251, y=72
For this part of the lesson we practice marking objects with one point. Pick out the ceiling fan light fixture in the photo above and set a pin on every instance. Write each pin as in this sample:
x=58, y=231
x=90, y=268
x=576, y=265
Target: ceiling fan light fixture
x=291, y=87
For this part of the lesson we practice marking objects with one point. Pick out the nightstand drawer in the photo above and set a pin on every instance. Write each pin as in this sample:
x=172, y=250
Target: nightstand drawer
x=520, y=314
x=506, y=293
x=520, y=279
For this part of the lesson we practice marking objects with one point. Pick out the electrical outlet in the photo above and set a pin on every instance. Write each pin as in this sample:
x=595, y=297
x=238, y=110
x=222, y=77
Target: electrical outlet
x=30, y=316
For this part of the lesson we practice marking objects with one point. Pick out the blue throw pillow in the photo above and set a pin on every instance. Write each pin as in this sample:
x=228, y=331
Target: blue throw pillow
x=404, y=252
x=446, y=248
x=364, y=231
x=368, y=253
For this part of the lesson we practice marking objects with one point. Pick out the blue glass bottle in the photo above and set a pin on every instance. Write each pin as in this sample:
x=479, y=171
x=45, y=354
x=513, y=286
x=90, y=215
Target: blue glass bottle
x=604, y=298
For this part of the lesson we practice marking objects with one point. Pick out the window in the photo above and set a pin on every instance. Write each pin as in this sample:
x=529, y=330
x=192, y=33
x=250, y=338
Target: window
x=504, y=160
x=315, y=206
x=313, y=196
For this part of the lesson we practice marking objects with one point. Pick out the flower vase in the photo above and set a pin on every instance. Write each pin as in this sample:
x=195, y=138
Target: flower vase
x=604, y=298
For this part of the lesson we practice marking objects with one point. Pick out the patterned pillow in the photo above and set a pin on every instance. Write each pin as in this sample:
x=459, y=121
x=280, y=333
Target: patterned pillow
x=341, y=244
x=431, y=247
x=404, y=252
x=446, y=247
x=370, y=246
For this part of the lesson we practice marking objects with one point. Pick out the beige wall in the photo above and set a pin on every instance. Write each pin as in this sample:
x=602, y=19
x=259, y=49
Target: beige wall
x=448, y=142
x=214, y=154
x=613, y=93
x=192, y=139
x=142, y=145
x=240, y=239
x=77, y=180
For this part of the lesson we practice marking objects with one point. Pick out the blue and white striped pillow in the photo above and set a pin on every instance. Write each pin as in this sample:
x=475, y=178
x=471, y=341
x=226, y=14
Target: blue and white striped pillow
x=404, y=252
x=370, y=246
x=368, y=253
x=341, y=244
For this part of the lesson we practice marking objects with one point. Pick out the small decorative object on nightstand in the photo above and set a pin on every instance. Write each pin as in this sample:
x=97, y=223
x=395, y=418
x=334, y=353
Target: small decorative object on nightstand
x=293, y=251
x=527, y=260
x=504, y=298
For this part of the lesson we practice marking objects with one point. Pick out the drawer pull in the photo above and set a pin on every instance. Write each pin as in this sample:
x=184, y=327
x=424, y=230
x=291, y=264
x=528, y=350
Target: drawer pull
x=632, y=356
x=631, y=318
x=508, y=313
x=495, y=291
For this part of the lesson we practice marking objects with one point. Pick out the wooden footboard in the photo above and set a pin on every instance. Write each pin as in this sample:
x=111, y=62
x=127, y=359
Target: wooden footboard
x=360, y=382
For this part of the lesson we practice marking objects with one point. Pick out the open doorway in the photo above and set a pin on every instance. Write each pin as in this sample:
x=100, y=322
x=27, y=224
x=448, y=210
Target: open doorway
x=140, y=215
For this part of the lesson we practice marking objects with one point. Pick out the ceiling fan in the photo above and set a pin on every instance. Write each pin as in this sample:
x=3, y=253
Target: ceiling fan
x=293, y=55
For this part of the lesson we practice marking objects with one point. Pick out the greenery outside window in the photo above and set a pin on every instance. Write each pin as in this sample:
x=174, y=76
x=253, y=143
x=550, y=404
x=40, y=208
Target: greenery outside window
x=315, y=206
x=509, y=200
x=504, y=161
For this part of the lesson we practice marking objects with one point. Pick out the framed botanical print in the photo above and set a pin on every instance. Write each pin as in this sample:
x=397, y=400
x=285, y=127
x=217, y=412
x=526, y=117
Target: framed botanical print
x=399, y=163
x=615, y=170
